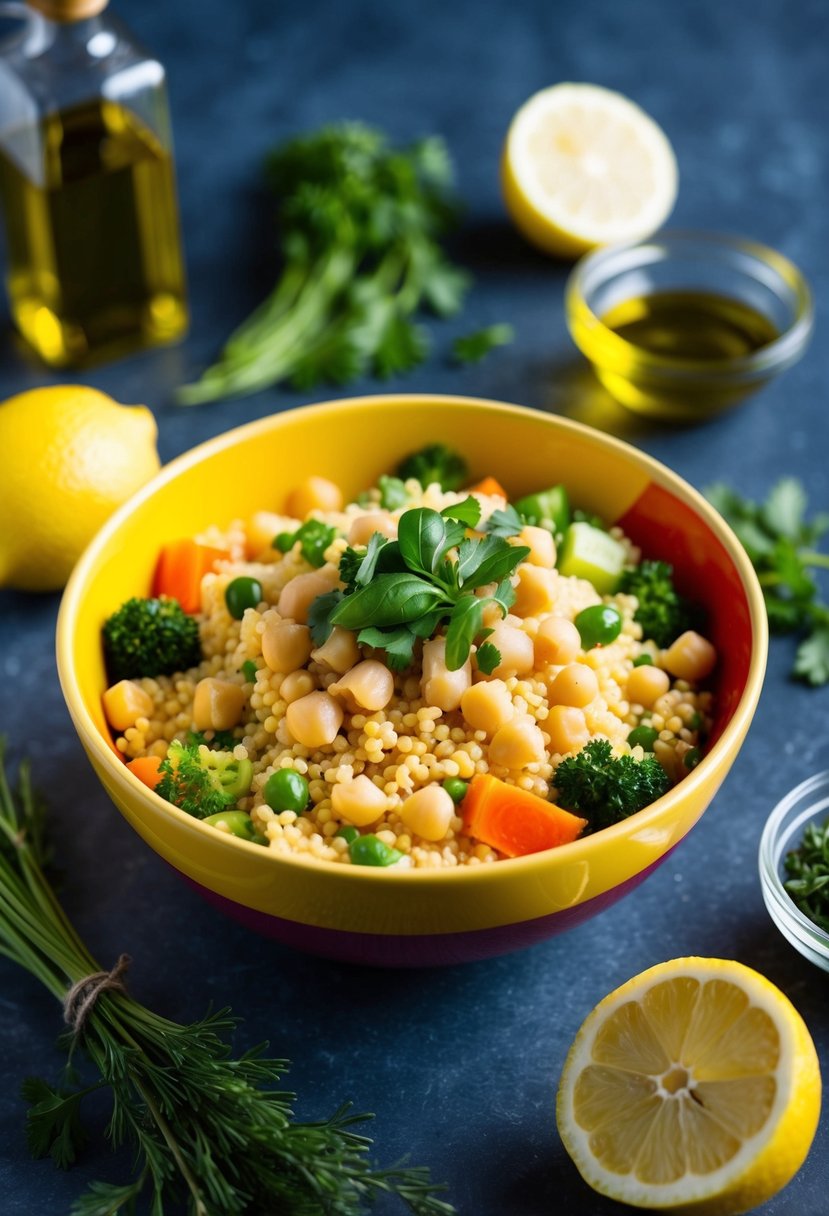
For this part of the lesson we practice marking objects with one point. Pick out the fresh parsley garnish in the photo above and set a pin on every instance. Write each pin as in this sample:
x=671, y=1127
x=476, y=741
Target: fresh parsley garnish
x=361, y=225
x=607, y=788
x=780, y=541
x=313, y=536
x=474, y=347
x=399, y=591
x=435, y=463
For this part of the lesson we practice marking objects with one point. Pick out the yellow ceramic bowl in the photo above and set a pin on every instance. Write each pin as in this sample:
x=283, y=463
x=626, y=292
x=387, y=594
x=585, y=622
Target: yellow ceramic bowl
x=416, y=917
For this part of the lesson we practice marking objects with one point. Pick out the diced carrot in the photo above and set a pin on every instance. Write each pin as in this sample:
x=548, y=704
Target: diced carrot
x=180, y=568
x=146, y=769
x=488, y=486
x=514, y=821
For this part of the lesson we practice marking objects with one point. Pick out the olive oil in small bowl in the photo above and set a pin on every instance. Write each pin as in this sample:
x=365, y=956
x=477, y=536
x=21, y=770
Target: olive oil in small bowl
x=685, y=325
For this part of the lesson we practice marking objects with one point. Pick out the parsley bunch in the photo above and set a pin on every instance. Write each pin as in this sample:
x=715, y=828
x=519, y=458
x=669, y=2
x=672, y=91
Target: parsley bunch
x=397, y=591
x=361, y=224
x=780, y=541
x=210, y=1131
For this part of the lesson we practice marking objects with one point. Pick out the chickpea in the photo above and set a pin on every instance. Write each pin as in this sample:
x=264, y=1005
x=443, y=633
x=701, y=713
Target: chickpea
x=339, y=652
x=359, y=801
x=487, y=705
x=535, y=592
x=541, y=545
x=364, y=527
x=295, y=685
x=369, y=685
x=557, y=641
x=217, y=704
x=567, y=727
x=516, y=648
x=314, y=494
x=441, y=687
x=646, y=684
x=286, y=646
x=297, y=596
x=428, y=812
x=575, y=685
x=126, y=702
x=517, y=744
x=691, y=657
x=315, y=719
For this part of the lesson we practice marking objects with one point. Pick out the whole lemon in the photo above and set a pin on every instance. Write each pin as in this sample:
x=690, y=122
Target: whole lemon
x=71, y=455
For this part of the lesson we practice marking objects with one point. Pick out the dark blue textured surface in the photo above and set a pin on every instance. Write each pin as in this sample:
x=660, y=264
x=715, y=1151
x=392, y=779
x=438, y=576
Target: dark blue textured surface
x=459, y=1065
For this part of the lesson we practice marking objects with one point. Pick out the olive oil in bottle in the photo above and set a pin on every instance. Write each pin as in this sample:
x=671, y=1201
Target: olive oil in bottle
x=94, y=264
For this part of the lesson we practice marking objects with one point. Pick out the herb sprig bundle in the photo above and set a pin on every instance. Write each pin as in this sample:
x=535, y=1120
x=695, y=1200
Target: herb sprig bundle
x=780, y=541
x=361, y=225
x=399, y=591
x=210, y=1131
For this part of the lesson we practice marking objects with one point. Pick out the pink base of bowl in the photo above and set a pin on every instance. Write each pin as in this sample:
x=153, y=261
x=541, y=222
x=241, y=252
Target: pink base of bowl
x=417, y=950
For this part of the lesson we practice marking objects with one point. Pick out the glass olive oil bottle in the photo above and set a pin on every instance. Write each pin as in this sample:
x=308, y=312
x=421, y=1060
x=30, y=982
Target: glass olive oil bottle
x=94, y=264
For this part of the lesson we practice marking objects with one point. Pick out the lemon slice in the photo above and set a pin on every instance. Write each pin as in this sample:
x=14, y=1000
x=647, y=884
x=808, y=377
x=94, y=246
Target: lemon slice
x=584, y=166
x=694, y=1087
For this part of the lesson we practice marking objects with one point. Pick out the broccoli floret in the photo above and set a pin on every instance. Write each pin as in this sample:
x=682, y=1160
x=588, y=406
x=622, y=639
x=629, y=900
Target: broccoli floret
x=200, y=781
x=607, y=788
x=150, y=637
x=435, y=462
x=663, y=613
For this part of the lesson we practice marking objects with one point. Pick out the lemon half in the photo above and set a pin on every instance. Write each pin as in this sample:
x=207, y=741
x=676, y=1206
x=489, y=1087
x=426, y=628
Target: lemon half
x=694, y=1087
x=584, y=166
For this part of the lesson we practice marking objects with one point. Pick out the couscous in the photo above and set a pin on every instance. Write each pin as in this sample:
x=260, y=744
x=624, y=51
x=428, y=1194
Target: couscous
x=399, y=680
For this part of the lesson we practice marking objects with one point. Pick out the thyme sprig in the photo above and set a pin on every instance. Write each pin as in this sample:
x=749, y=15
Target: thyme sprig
x=211, y=1131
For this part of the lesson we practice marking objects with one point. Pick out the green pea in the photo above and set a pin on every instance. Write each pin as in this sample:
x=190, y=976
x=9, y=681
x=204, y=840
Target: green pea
x=644, y=736
x=286, y=790
x=283, y=541
x=243, y=592
x=238, y=823
x=348, y=832
x=456, y=789
x=598, y=625
x=692, y=757
x=643, y=660
x=371, y=851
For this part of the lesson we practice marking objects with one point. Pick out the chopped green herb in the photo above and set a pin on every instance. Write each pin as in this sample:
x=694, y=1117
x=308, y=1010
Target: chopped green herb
x=474, y=347
x=780, y=542
x=807, y=868
x=313, y=538
x=487, y=658
x=249, y=670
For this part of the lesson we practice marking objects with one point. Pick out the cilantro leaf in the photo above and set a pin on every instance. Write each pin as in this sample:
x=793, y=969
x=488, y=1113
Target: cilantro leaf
x=487, y=658
x=53, y=1125
x=504, y=523
x=474, y=347
x=319, y=616
x=812, y=658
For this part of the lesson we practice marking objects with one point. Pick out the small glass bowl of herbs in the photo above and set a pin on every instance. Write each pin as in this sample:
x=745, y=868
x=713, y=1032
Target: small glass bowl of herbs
x=794, y=868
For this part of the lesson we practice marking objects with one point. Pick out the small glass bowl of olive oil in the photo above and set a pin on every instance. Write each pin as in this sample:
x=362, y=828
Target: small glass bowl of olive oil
x=684, y=325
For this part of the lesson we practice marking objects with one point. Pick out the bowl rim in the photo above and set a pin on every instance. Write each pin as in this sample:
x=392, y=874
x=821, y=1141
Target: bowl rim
x=532, y=863
x=774, y=355
x=769, y=853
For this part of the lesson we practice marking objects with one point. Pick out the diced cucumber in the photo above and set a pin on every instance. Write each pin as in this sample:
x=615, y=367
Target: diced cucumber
x=548, y=509
x=589, y=553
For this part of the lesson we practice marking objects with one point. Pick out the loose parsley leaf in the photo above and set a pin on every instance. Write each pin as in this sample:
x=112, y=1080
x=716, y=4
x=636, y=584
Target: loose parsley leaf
x=779, y=540
x=392, y=492
x=319, y=616
x=807, y=868
x=487, y=658
x=474, y=347
x=504, y=523
x=468, y=511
